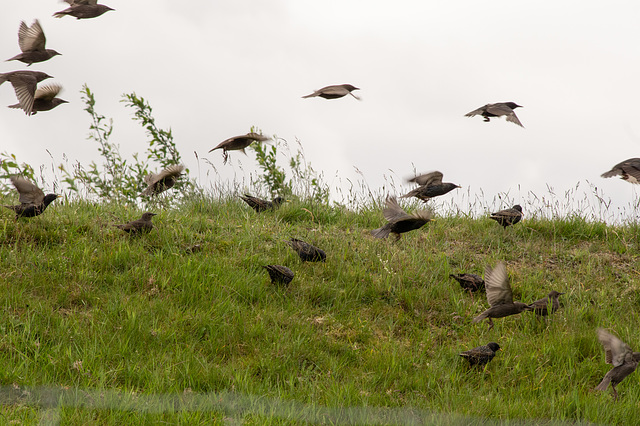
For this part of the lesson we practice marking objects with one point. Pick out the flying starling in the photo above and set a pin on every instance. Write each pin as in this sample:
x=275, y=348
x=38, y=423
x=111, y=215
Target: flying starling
x=469, y=282
x=334, y=92
x=499, y=295
x=497, y=110
x=508, y=217
x=628, y=170
x=260, y=205
x=32, y=200
x=32, y=44
x=540, y=307
x=238, y=143
x=306, y=251
x=430, y=186
x=399, y=221
x=157, y=183
x=45, y=99
x=279, y=274
x=25, y=84
x=481, y=355
x=621, y=356
x=83, y=9
x=139, y=226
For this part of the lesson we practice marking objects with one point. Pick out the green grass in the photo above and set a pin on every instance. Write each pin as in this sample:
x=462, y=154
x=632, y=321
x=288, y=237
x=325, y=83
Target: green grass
x=88, y=310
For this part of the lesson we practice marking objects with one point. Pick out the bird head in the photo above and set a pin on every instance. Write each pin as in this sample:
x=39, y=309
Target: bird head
x=513, y=105
x=493, y=346
x=148, y=215
x=517, y=207
x=351, y=88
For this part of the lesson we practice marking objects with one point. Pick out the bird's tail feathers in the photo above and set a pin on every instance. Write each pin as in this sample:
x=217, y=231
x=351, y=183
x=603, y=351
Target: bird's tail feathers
x=604, y=384
x=481, y=317
x=381, y=232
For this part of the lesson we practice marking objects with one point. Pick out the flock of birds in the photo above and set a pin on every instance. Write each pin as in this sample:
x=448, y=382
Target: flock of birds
x=33, y=201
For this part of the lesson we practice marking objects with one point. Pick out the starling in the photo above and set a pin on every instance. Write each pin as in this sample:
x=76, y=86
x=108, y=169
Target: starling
x=157, y=183
x=628, y=170
x=399, y=221
x=260, y=205
x=499, y=295
x=497, y=110
x=45, y=99
x=334, y=92
x=430, y=186
x=540, y=307
x=508, y=217
x=279, y=274
x=139, y=226
x=306, y=251
x=25, y=84
x=83, y=9
x=32, y=200
x=32, y=44
x=469, y=282
x=238, y=143
x=620, y=355
x=481, y=355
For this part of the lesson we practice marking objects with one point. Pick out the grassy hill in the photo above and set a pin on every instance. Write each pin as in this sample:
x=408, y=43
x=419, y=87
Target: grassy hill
x=94, y=321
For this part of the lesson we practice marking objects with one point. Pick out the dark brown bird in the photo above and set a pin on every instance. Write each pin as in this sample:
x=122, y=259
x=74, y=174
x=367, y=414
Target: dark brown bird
x=334, y=92
x=260, y=205
x=279, y=274
x=497, y=110
x=430, y=186
x=628, y=170
x=83, y=9
x=25, y=84
x=238, y=143
x=481, y=355
x=306, y=251
x=399, y=221
x=45, y=99
x=621, y=356
x=32, y=200
x=157, y=183
x=540, y=307
x=469, y=282
x=508, y=217
x=32, y=44
x=139, y=226
x=499, y=295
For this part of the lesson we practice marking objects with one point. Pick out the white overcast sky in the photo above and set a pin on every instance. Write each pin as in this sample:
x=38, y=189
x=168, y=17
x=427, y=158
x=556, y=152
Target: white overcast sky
x=212, y=69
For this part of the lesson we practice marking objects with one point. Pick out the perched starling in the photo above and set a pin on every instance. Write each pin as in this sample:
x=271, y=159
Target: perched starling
x=334, y=92
x=469, y=282
x=399, y=221
x=139, y=226
x=628, y=170
x=499, y=295
x=279, y=274
x=540, y=307
x=25, y=84
x=261, y=205
x=32, y=200
x=430, y=186
x=238, y=143
x=44, y=99
x=621, y=356
x=482, y=354
x=306, y=251
x=83, y=9
x=508, y=217
x=32, y=44
x=162, y=181
x=497, y=110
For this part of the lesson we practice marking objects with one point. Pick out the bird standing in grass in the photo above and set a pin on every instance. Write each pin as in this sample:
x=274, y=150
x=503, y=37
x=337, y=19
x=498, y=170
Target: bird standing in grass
x=158, y=183
x=44, y=99
x=481, y=355
x=260, y=205
x=628, y=170
x=334, y=92
x=32, y=44
x=541, y=306
x=469, y=282
x=306, y=251
x=400, y=221
x=139, y=226
x=499, y=295
x=25, y=84
x=83, y=9
x=497, y=110
x=621, y=356
x=279, y=274
x=238, y=143
x=32, y=200
x=430, y=186
x=508, y=217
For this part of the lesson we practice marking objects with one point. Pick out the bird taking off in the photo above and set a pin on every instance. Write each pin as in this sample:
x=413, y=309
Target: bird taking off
x=498, y=110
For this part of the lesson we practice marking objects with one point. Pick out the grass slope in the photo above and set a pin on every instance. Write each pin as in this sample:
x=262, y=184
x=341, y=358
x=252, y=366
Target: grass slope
x=380, y=324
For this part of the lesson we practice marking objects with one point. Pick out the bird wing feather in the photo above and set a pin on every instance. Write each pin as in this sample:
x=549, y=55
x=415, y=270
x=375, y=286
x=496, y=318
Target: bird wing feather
x=29, y=192
x=393, y=212
x=615, y=349
x=432, y=178
x=476, y=111
x=48, y=91
x=497, y=285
